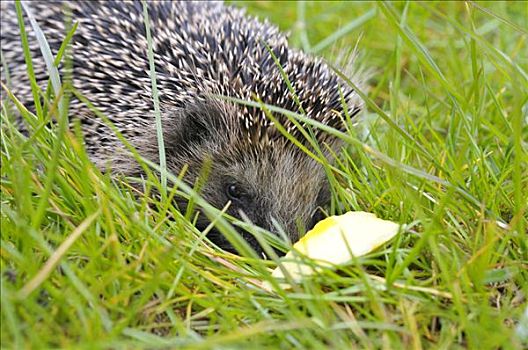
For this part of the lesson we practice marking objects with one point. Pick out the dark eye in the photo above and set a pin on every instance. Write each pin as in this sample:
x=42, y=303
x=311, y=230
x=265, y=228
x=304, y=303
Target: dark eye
x=234, y=192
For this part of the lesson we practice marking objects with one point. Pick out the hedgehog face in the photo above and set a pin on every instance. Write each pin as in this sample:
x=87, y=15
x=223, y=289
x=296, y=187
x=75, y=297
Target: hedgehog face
x=268, y=184
x=278, y=185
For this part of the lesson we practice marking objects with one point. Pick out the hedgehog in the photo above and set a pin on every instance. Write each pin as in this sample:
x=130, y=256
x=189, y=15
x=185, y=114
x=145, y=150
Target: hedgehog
x=202, y=50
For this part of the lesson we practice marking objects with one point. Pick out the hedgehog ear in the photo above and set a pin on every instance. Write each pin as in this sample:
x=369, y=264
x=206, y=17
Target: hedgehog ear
x=193, y=125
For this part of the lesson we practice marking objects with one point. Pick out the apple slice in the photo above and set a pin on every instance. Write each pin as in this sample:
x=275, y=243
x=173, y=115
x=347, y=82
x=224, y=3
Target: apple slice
x=335, y=240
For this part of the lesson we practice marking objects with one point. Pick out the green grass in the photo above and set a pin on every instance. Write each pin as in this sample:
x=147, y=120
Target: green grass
x=442, y=146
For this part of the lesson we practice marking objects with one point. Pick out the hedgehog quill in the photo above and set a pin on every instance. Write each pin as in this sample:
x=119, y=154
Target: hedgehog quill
x=201, y=50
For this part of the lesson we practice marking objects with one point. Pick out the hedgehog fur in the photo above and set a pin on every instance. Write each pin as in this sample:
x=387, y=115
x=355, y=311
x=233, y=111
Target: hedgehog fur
x=201, y=49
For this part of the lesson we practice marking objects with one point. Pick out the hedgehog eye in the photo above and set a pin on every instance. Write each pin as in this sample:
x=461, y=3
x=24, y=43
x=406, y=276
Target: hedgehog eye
x=234, y=191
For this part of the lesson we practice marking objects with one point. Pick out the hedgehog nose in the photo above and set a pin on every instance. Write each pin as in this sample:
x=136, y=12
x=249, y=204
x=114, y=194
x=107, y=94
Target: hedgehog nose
x=316, y=217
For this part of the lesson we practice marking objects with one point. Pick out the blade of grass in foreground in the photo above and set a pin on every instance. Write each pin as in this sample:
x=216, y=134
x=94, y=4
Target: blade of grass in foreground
x=62, y=102
x=48, y=58
x=155, y=98
x=29, y=61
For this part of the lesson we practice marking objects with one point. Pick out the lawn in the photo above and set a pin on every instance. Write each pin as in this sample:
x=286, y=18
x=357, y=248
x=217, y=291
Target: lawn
x=87, y=262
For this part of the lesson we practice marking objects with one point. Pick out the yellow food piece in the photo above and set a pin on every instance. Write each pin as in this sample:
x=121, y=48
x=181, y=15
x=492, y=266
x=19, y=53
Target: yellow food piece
x=335, y=240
